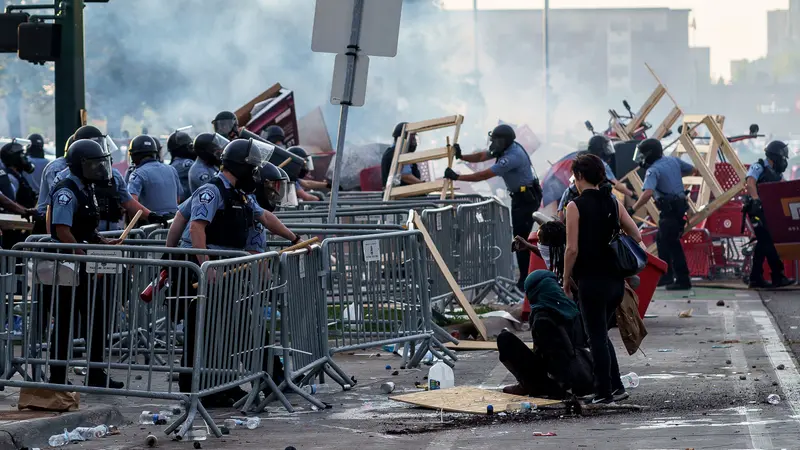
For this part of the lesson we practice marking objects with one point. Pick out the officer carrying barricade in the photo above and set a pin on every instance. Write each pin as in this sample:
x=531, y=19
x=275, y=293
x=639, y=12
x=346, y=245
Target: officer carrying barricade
x=765, y=170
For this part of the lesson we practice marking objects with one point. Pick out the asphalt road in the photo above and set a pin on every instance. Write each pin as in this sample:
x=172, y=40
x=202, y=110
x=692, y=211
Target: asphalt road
x=704, y=382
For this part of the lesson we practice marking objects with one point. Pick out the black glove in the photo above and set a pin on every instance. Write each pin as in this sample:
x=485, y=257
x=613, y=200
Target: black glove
x=329, y=183
x=296, y=239
x=756, y=208
x=158, y=218
x=634, y=197
x=29, y=213
x=631, y=211
x=450, y=174
x=457, y=149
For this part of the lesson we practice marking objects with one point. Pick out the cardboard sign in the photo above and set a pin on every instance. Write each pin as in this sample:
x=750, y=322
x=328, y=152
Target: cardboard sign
x=781, y=203
x=278, y=110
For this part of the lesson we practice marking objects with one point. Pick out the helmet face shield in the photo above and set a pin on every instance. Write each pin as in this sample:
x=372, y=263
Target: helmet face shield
x=259, y=153
x=97, y=169
x=224, y=126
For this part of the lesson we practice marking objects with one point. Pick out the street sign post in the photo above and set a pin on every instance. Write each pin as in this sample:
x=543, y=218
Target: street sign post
x=353, y=29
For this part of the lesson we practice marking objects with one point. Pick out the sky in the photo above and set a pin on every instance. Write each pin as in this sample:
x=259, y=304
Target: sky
x=733, y=29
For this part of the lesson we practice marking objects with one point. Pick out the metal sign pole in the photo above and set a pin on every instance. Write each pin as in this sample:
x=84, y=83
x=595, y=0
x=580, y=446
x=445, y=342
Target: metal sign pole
x=352, y=59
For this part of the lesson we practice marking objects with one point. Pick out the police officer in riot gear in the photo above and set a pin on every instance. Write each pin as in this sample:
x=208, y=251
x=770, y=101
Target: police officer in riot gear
x=226, y=124
x=223, y=212
x=271, y=194
x=49, y=174
x=181, y=149
x=602, y=147
x=409, y=173
x=208, y=147
x=12, y=182
x=664, y=181
x=153, y=184
x=275, y=135
x=301, y=183
x=35, y=153
x=513, y=164
x=766, y=170
x=74, y=219
x=113, y=198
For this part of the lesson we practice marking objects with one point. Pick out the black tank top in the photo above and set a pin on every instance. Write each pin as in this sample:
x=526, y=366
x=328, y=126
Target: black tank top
x=596, y=225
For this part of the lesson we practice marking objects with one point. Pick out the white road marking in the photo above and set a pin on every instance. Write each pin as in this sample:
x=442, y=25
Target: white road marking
x=788, y=378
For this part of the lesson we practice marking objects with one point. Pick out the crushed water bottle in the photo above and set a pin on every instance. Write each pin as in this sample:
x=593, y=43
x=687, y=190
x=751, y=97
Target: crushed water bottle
x=251, y=423
x=148, y=418
x=196, y=434
x=773, y=399
x=89, y=433
x=630, y=381
x=60, y=440
x=310, y=389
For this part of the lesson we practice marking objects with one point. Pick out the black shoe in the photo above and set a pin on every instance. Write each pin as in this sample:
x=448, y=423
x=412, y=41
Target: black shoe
x=782, y=281
x=620, y=394
x=602, y=400
x=103, y=380
x=684, y=286
x=758, y=283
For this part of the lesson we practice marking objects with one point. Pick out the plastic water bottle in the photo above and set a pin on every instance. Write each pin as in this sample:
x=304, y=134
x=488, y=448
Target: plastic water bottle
x=441, y=377
x=148, y=418
x=59, y=440
x=251, y=423
x=89, y=433
x=630, y=381
x=310, y=389
x=196, y=434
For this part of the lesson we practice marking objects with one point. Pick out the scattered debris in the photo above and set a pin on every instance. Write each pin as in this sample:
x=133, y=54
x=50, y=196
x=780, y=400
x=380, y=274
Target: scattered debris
x=721, y=346
x=137, y=377
x=731, y=341
x=388, y=387
x=151, y=441
x=720, y=302
x=197, y=445
x=742, y=377
x=773, y=399
x=388, y=367
x=780, y=367
x=686, y=314
x=539, y=433
x=728, y=362
x=395, y=373
x=664, y=350
x=650, y=316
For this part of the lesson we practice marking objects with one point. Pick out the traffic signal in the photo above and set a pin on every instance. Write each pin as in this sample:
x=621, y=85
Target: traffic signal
x=39, y=42
x=9, y=22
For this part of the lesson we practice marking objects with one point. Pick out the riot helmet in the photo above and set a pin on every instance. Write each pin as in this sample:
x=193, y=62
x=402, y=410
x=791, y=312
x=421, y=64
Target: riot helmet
x=601, y=147
x=225, y=123
x=141, y=147
x=180, y=145
x=309, y=163
x=209, y=147
x=274, y=188
x=36, y=147
x=274, y=134
x=13, y=156
x=647, y=152
x=501, y=138
x=243, y=158
x=70, y=140
x=89, y=161
x=93, y=133
x=778, y=153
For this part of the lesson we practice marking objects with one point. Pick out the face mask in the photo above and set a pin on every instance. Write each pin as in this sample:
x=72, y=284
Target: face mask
x=497, y=147
x=781, y=165
x=303, y=172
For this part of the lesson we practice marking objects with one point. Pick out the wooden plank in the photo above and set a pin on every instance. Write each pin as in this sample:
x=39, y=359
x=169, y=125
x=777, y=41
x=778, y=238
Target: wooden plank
x=700, y=165
x=730, y=155
x=668, y=122
x=450, y=184
x=693, y=181
x=693, y=119
x=706, y=211
x=451, y=282
x=637, y=185
x=243, y=114
x=477, y=345
x=14, y=222
x=422, y=156
x=417, y=189
x=432, y=124
x=658, y=80
x=469, y=399
x=398, y=147
x=646, y=109
x=622, y=133
x=704, y=195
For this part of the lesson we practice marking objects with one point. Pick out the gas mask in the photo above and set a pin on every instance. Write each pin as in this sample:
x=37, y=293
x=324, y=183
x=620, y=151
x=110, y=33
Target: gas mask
x=498, y=146
x=26, y=165
x=248, y=183
x=780, y=165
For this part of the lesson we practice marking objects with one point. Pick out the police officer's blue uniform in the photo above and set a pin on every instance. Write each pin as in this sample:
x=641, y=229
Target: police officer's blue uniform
x=109, y=199
x=45, y=186
x=229, y=214
x=8, y=183
x=257, y=235
x=763, y=172
x=665, y=178
x=157, y=186
x=35, y=178
x=182, y=166
x=200, y=173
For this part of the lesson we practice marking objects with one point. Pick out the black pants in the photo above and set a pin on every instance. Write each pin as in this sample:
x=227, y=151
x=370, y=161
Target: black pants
x=65, y=312
x=765, y=249
x=599, y=298
x=39, y=226
x=523, y=205
x=668, y=242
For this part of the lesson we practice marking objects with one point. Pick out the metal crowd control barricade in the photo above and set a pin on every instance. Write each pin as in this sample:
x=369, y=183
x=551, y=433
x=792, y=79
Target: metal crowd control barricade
x=233, y=344
x=484, y=251
x=377, y=293
x=441, y=225
x=86, y=298
x=304, y=326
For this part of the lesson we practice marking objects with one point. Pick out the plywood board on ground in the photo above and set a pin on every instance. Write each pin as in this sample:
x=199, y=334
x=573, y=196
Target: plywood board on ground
x=469, y=399
x=476, y=345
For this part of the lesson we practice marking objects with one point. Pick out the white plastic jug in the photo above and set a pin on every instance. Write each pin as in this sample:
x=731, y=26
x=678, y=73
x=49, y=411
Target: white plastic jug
x=441, y=377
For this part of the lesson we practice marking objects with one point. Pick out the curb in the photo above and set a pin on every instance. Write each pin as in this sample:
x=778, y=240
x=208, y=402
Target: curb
x=36, y=432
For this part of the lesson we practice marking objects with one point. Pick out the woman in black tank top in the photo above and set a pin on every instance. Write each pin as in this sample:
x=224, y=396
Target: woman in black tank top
x=588, y=259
